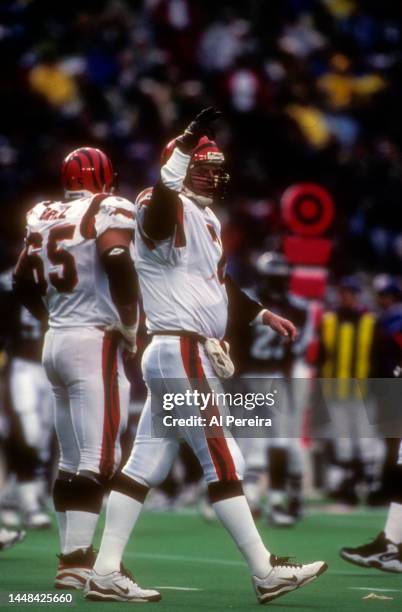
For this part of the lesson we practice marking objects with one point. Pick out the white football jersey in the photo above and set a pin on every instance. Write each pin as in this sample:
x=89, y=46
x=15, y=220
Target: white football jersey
x=182, y=277
x=61, y=246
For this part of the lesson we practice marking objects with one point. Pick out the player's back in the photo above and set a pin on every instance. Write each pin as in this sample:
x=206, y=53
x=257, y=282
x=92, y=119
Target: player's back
x=61, y=246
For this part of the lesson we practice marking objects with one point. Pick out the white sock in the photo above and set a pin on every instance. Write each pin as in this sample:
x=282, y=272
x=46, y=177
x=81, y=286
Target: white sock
x=62, y=525
x=122, y=513
x=235, y=515
x=393, y=526
x=80, y=529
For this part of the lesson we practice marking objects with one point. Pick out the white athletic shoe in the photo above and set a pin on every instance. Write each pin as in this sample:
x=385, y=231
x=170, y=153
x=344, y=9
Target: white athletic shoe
x=118, y=586
x=9, y=538
x=37, y=519
x=74, y=569
x=285, y=577
x=381, y=553
x=10, y=518
x=280, y=517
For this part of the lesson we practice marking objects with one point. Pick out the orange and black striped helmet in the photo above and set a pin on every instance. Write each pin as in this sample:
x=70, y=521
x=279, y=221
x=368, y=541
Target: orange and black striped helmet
x=206, y=175
x=87, y=169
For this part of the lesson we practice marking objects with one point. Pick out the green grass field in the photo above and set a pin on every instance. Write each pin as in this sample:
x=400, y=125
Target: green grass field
x=198, y=568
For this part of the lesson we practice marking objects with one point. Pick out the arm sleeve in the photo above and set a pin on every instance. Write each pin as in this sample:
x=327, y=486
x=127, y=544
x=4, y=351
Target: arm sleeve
x=160, y=216
x=241, y=309
x=174, y=171
x=123, y=282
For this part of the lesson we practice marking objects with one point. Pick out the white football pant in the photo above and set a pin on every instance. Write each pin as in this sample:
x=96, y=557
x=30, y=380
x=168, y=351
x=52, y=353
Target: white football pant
x=85, y=369
x=168, y=364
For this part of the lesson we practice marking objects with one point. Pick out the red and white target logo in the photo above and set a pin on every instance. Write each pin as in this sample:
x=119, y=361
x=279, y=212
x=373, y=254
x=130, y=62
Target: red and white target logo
x=308, y=209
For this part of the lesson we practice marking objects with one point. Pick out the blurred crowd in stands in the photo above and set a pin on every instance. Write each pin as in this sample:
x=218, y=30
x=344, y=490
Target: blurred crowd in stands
x=310, y=90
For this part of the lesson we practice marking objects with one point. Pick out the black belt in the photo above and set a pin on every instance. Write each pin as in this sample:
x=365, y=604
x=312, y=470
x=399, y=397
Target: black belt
x=181, y=333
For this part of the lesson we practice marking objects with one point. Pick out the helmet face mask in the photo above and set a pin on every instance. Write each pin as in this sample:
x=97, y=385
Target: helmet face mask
x=207, y=179
x=86, y=171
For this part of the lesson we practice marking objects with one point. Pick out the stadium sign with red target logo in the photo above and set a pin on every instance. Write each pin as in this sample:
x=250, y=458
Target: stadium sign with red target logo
x=308, y=209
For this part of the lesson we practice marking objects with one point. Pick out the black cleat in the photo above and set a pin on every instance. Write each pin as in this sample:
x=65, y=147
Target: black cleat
x=381, y=554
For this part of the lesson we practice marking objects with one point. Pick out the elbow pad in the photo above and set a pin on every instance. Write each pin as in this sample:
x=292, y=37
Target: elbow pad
x=121, y=273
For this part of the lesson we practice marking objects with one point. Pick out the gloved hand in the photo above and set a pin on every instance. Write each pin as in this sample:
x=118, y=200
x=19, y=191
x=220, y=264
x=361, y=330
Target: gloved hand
x=128, y=333
x=200, y=126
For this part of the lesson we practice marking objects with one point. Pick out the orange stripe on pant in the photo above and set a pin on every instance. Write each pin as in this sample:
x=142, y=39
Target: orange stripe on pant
x=111, y=404
x=217, y=445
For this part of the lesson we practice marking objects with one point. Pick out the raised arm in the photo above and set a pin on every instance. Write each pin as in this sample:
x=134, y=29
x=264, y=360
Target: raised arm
x=161, y=212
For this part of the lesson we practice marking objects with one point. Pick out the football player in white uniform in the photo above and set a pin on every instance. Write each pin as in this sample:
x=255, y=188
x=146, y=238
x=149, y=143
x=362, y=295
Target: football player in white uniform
x=187, y=297
x=77, y=265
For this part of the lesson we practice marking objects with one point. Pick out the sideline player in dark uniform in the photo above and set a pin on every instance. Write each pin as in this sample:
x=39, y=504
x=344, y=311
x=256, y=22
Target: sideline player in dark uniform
x=261, y=352
x=28, y=404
